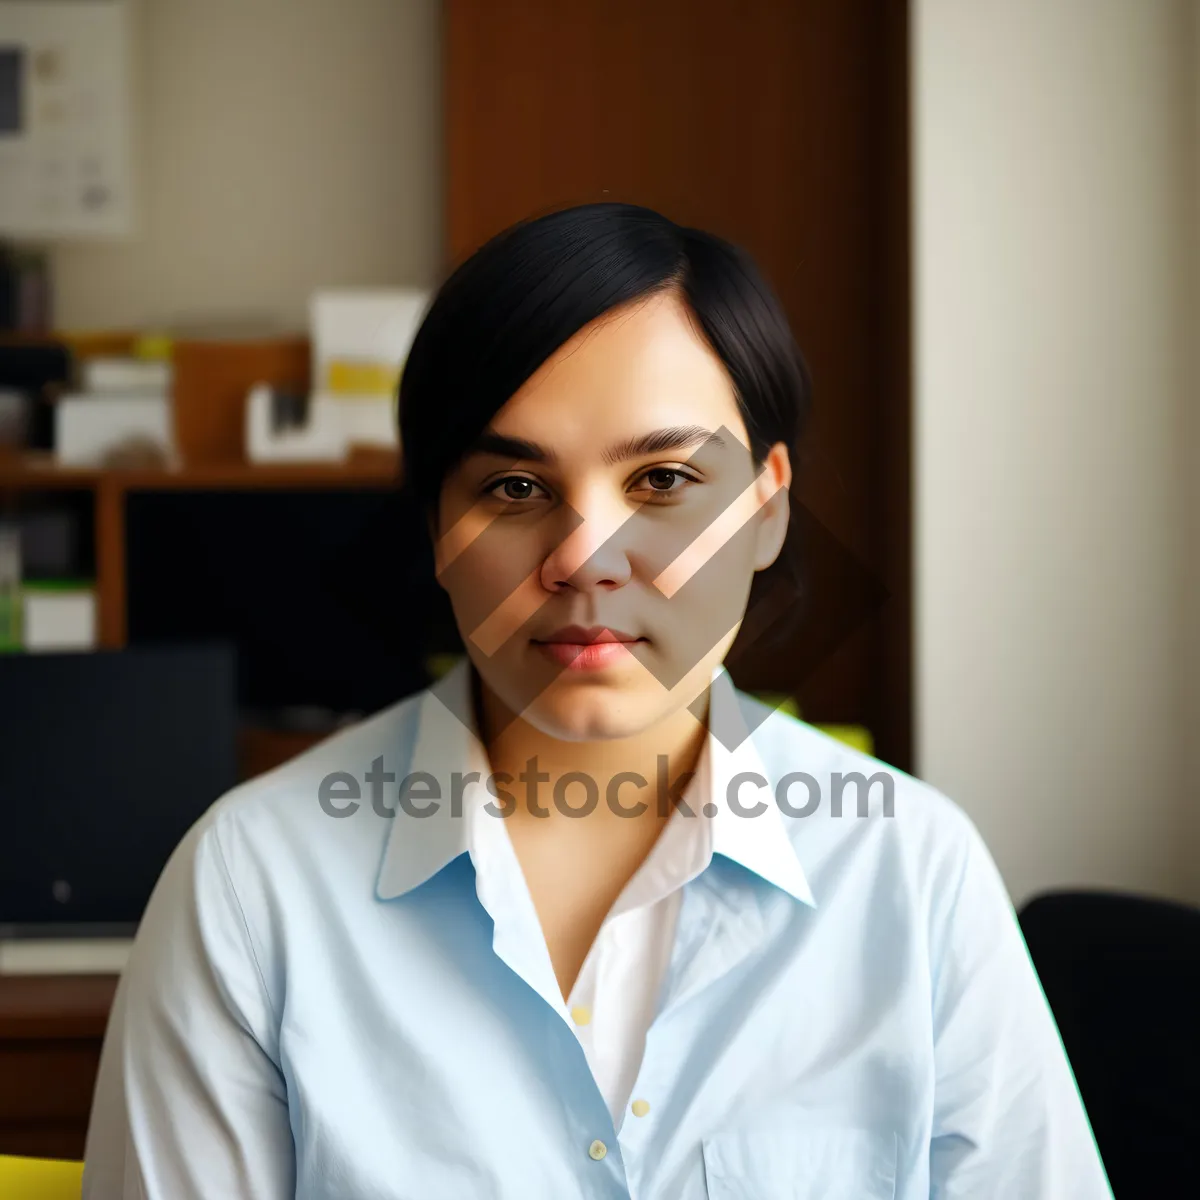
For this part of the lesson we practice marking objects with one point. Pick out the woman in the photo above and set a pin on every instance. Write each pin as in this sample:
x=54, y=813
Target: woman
x=583, y=919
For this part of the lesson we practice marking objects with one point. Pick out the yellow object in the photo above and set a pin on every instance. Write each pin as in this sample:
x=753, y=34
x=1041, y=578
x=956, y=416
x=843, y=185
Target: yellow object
x=857, y=737
x=153, y=346
x=597, y=1149
x=581, y=1014
x=640, y=1108
x=345, y=377
x=40, y=1179
x=781, y=701
x=439, y=664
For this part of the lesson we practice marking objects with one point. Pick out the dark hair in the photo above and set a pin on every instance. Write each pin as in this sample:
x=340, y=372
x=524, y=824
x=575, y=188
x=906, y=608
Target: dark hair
x=532, y=287
x=516, y=300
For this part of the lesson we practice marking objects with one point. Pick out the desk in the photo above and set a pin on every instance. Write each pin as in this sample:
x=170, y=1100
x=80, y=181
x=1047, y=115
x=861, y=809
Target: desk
x=51, y=1030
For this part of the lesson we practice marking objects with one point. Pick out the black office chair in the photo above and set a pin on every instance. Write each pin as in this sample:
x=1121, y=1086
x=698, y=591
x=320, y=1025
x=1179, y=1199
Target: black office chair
x=1122, y=976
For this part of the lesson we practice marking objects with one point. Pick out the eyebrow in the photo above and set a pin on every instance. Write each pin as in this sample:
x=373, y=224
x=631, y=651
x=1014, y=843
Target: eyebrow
x=657, y=441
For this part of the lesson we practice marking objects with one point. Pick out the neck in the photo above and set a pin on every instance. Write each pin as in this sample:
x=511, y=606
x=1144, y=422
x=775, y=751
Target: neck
x=664, y=756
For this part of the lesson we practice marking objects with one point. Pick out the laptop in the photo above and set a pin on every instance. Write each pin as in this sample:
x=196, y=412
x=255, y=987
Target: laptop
x=106, y=760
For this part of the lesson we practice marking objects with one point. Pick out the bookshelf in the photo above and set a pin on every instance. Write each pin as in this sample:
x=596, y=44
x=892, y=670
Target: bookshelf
x=38, y=473
x=259, y=749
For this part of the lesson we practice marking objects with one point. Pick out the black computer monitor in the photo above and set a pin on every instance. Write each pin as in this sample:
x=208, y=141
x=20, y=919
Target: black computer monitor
x=323, y=592
x=106, y=759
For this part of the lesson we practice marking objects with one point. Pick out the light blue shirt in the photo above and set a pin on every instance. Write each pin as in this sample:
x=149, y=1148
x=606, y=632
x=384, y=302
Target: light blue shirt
x=322, y=1002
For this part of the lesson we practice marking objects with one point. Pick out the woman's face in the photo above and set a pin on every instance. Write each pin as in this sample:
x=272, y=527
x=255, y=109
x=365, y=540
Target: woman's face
x=599, y=542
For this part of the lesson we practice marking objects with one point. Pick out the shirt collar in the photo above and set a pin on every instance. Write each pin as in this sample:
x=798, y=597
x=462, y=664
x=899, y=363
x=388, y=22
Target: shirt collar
x=761, y=842
x=447, y=745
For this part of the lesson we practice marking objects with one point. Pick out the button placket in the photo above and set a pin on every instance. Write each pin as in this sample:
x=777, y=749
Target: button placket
x=637, y=1126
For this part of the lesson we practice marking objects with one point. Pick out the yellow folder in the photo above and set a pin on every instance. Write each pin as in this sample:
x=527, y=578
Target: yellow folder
x=40, y=1179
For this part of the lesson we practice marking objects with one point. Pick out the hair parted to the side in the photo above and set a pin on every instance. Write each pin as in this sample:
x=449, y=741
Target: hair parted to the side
x=505, y=310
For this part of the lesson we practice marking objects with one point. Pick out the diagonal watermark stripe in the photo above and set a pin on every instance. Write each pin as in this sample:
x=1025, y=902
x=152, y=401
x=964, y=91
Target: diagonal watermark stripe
x=658, y=544
x=690, y=555
x=709, y=542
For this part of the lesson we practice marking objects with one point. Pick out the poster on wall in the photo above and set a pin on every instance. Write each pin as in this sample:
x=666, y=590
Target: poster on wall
x=64, y=119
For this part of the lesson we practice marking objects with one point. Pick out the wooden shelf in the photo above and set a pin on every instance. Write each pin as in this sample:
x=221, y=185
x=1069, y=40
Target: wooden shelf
x=42, y=473
x=54, y=1006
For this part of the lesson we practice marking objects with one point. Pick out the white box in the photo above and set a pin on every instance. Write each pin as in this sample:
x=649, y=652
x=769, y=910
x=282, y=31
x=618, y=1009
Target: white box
x=374, y=325
x=127, y=376
x=365, y=420
x=58, y=620
x=322, y=439
x=87, y=427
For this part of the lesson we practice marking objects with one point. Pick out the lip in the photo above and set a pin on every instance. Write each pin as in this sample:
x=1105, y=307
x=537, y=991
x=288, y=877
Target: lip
x=576, y=648
x=579, y=635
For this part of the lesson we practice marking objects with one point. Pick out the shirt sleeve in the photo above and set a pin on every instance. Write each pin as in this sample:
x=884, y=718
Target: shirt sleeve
x=1008, y=1119
x=190, y=1101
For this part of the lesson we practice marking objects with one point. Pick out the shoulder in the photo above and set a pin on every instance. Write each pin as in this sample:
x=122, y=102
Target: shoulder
x=300, y=799
x=266, y=858
x=271, y=839
x=843, y=806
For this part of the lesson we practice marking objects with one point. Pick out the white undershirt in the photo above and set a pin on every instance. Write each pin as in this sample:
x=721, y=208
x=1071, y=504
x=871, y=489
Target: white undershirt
x=613, y=1001
x=615, y=996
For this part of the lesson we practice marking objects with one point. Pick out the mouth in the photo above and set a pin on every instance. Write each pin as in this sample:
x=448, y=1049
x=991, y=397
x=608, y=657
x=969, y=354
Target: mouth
x=576, y=648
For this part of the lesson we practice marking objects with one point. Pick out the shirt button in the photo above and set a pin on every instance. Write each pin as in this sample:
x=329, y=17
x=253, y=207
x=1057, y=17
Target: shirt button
x=581, y=1014
x=640, y=1108
x=597, y=1150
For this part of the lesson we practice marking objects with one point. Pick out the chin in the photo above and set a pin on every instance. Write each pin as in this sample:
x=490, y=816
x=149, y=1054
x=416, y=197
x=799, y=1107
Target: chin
x=583, y=718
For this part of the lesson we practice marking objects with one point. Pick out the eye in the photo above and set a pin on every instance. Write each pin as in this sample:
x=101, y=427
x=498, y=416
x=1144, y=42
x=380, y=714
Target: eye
x=665, y=480
x=513, y=489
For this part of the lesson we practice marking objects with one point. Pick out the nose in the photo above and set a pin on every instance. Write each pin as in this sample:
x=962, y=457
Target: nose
x=592, y=556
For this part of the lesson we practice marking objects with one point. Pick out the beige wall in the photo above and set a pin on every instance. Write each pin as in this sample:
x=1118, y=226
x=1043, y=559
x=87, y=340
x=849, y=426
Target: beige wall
x=1055, y=253
x=281, y=145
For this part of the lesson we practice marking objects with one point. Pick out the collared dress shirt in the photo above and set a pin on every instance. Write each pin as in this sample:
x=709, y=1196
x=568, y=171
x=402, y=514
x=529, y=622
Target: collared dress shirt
x=613, y=1000
x=340, y=990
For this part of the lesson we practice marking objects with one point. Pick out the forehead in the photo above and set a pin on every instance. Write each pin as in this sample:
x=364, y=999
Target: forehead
x=642, y=366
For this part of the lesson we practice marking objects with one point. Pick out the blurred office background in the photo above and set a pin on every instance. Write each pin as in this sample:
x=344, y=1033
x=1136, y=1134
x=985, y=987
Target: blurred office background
x=287, y=145
x=1000, y=202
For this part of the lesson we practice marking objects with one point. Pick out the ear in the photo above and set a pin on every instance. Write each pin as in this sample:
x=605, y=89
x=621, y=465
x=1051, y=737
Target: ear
x=773, y=482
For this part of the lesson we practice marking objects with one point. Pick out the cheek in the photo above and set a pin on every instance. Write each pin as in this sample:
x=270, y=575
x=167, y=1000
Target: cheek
x=708, y=541
x=700, y=618
x=491, y=579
